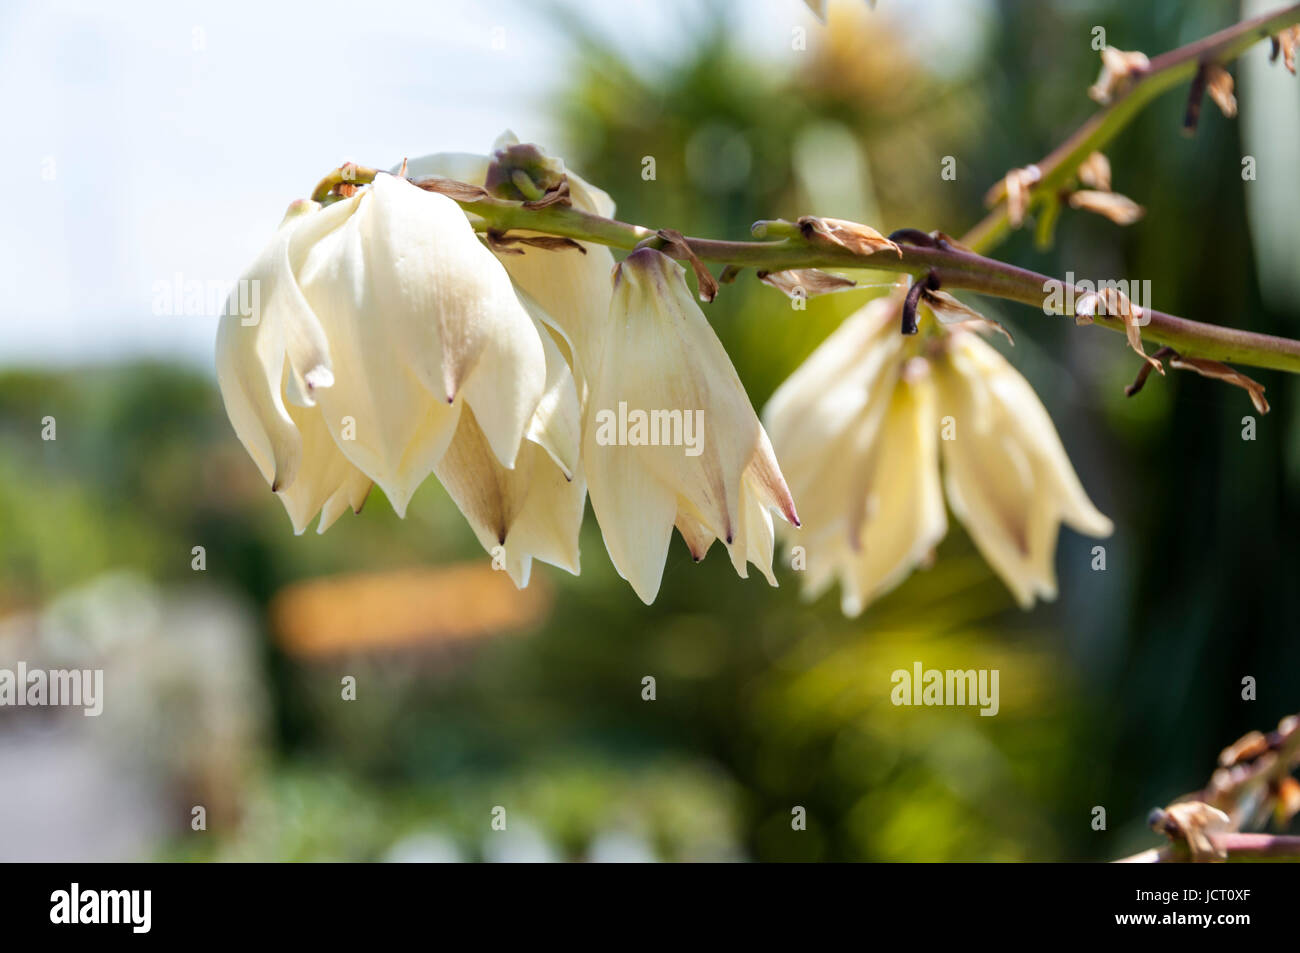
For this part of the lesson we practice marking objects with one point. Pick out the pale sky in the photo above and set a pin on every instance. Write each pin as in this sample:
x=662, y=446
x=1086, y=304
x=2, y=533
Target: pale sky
x=150, y=141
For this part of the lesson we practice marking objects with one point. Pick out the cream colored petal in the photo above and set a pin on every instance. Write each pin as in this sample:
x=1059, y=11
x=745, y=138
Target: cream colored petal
x=280, y=338
x=636, y=513
x=382, y=415
x=824, y=421
x=828, y=392
x=453, y=304
x=1037, y=434
x=662, y=356
x=426, y=319
x=756, y=540
x=530, y=511
x=557, y=421
x=574, y=289
x=694, y=533
x=904, y=516
x=326, y=482
x=588, y=198
x=350, y=496
x=461, y=166
x=1007, y=476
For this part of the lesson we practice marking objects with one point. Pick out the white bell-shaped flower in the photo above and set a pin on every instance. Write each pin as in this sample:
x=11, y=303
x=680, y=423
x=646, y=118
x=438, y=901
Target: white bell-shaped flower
x=381, y=316
x=670, y=437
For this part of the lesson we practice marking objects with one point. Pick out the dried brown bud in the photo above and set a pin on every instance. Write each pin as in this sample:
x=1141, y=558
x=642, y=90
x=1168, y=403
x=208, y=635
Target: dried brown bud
x=1286, y=43
x=857, y=238
x=1248, y=746
x=1218, y=83
x=1094, y=172
x=1016, y=187
x=1193, y=822
x=1118, y=71
x=1288, y=801
x=1120, y=209
x=523, y=172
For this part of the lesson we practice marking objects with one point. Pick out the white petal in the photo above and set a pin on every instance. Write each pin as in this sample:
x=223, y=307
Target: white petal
x=661, y=363
x=326, y=483
x=461, y=166
x=903, y=518
x=1007, y=477
x=529, y=512
x=255, y=352
x=636, y=514
x=557, y=421
x=425, y=317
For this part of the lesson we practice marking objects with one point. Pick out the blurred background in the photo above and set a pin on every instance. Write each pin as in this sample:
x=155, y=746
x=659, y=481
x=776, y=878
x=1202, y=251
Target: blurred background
x=150, y=146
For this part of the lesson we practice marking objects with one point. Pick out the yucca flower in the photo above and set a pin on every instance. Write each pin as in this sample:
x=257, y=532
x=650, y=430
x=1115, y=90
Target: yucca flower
x=570, y=285
x=534, y=509
x=861, y=429
x=722, y=493
x=382, y=319
x=696, y=457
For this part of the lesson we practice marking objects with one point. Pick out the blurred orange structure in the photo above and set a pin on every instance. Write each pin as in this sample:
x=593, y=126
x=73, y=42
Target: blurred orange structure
x=409, y=608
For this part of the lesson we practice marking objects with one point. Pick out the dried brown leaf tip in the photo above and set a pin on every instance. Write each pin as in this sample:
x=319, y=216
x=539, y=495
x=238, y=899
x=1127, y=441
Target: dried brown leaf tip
x=1094, y=172
x=857, y=238
x=1213, y=79
x=1246, y=748
x=1192, y=822
x=460, y=191
x=557, y=195
x=805, y=282
x=1218, y=83
x=676, y=245
x=1015, y=188
x=1096, y=197
x=1222, y=372
x=508, y=244
x=1216, y=371
x=1288, y=801
x=1119, y=70
x=1286, y=43
x=955, y=315
x=1120, y=209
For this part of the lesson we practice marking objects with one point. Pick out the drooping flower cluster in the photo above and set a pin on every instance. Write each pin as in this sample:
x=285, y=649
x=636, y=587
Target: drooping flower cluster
x=390, y=342
x=864, y=429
